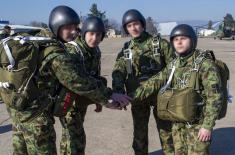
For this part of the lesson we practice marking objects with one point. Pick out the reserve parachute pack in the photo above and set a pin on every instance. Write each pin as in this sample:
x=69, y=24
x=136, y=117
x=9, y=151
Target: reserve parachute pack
x=181, y=105
x=19, y=60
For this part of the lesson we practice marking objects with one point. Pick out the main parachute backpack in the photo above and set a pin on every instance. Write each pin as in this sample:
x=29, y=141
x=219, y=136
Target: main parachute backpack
x=18, y=64
x=19, y=60
x=225, y=75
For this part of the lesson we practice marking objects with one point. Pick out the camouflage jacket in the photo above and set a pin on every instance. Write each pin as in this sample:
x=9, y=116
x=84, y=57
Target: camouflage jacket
x=90, y=57
x=58, y=69
x=209, y=84
x=146, y=62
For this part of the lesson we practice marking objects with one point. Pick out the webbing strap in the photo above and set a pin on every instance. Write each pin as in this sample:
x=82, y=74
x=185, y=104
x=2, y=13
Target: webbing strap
x=8, y=53
x=167, y=85
x=22, y=40
x=4, y=85
x=77, y=47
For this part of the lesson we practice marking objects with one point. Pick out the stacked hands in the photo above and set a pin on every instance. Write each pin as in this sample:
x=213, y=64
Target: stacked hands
x=118, y=101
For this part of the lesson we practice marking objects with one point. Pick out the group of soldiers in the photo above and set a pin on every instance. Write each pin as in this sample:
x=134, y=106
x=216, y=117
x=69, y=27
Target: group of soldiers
x=145, y=66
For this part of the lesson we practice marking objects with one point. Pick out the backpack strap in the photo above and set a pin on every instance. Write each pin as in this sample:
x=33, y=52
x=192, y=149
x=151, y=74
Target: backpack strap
x=8, y=53
x=79, y=51
x=77, y=47
x=168, y=83
x=22, y=40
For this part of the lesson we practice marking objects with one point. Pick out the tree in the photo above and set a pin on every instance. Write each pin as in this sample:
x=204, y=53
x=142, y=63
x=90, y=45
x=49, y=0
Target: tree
x=95, y=12
x=210, y=25
x=151, y=26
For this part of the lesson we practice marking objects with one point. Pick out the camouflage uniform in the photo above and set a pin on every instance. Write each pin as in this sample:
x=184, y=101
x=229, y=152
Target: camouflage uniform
x=33, y=131
x=73, y=140
x=185, y=134
x=145, y=64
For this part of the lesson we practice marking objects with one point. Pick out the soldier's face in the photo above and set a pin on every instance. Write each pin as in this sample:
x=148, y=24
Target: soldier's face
x=135, y=28
x=68, y=32
x=181, y=44
x=93, y=39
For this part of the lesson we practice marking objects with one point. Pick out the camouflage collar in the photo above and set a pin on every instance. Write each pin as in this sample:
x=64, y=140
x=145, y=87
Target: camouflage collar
x=140, y=41
x=143, y=37
x=182, y=61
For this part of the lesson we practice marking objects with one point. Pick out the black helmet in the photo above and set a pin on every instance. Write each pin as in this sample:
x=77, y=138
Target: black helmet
x=184, y=30
x=93, y=24
x=132, y=15
x=62, y=15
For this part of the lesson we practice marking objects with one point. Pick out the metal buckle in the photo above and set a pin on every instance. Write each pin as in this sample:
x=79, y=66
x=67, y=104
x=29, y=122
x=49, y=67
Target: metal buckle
x=127, y=53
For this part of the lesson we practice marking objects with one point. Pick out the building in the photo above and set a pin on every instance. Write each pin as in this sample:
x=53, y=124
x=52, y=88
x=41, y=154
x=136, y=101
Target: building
x=208, y=32
x=165, y=28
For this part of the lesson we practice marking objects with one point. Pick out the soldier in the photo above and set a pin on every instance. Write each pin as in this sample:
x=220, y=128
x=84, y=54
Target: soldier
x=73, y=136
x=140, y=58
x=6, y=32
x=32, y=110
x=191, y=75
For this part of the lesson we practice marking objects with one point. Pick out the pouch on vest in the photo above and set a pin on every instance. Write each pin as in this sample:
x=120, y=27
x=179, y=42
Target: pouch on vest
x=18, y=65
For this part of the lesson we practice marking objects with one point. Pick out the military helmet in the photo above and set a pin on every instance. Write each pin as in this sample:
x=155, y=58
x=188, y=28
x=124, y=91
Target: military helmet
x=93, y=24
x=184, y=30
x=132, y=15
x=60, y=16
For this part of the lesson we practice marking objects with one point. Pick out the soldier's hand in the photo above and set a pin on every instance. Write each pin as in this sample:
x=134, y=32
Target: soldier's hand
x=204, y=135
x=122, y=99
x=98, y=107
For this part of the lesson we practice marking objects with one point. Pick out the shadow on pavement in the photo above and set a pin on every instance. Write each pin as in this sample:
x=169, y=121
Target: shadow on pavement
x=223, y=142
x=159, y=152
x=5, y=128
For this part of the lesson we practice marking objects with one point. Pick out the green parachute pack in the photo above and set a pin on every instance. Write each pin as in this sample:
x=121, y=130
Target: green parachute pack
x=181, y=105
x=225, y=75
x=20, y=61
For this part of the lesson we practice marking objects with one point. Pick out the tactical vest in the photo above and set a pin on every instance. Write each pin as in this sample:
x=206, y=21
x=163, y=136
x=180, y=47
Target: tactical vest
x=21, y=59
x=143, y=66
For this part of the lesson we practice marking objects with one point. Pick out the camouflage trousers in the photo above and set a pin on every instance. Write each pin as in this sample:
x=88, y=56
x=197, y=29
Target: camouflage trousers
x=141, y=114
x=36, y=137
x=73, y=141
x=186, y=141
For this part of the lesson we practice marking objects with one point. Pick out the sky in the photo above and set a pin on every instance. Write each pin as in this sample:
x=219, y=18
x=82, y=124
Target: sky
x=25, y=11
